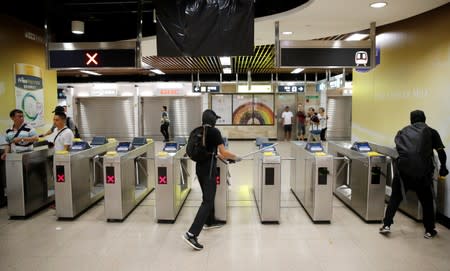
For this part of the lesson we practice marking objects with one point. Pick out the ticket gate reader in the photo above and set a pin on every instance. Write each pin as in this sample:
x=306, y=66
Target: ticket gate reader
x=79, y=176
x=411, y=205
x=360, y=183
x=222, y=182
x=173, y=181
x=267, y=183
x=29, y=181
x=129, y=177
x=312, y=180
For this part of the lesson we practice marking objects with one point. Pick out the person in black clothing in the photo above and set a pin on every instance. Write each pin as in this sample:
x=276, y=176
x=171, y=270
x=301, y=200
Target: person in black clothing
x=421, y=185
x=165, y=123
x=206, y=173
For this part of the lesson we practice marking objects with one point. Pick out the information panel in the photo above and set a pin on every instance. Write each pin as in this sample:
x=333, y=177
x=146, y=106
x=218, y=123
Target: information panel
x=222, y=105
x=96, y=58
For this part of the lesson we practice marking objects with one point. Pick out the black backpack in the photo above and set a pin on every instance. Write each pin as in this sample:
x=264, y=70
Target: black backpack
x=415, y=150
x=196, y=145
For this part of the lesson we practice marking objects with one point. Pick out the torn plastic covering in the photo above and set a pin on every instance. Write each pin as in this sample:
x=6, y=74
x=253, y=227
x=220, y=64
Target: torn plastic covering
x=205, y=27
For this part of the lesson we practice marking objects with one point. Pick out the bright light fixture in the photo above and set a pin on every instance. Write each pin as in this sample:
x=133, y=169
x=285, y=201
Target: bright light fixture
x=378, y=5
x=298, y=70
x=287, y=32
x=90, y=72
x=357, y=36
x=225, y=60
x=157, y=71
x=227, y=70
x=78, y=27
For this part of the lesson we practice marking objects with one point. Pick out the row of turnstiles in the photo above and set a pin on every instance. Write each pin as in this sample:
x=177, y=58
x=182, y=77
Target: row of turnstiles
x=124, y=173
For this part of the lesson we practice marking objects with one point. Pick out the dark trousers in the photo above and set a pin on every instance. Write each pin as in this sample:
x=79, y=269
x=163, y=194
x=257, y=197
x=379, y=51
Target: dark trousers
x=323, y=134
x=165, y=131
x=425, y=194
x=207, y=180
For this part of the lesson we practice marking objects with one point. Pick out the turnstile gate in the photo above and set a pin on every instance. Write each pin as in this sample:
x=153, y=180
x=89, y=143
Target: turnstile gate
x=267, y=183
x=173, y=181
x=222, y=182
x=2, y=179
x=312, y=180
x=79, y=176
x=29, y=181
x=129, y=177
x=360, y=183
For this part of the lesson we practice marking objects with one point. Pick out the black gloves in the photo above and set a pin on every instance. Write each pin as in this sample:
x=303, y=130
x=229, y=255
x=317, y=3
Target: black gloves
x=443, y=171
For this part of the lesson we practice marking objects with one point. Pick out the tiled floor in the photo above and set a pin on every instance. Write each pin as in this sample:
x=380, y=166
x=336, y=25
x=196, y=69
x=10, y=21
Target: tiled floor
x=90, y=243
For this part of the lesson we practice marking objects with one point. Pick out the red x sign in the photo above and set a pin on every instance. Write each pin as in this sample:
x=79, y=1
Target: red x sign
x=60, y=178
x=162, y=180
x=111, y=179
x=217, y=180
x=91, y=59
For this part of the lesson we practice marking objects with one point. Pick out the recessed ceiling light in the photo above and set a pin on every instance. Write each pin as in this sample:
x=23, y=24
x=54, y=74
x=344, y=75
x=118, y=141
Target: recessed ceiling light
x=357, y=36
x=227, y=70
x=298, y=70
x=225, y=60
x=90, y=72
x=287, y=33
x=378, y=5
x=78, y=27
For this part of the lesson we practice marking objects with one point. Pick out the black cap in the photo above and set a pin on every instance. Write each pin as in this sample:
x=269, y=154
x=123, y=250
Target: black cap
x=209, y=117
x=417, y=116
x=59, y=109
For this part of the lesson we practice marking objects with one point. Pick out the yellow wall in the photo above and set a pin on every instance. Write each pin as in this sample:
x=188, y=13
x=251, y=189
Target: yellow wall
x=15, y=48
x=414, y=74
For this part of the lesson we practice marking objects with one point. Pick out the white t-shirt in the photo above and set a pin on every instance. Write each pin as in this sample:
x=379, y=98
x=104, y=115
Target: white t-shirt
x=323, y=121
x=64, y=138
x=287, y=117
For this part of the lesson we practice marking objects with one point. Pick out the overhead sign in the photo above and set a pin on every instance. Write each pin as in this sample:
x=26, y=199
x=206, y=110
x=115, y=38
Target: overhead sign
x=208, y=89
x=101, y=58
x=291, y=88
x=320, y=53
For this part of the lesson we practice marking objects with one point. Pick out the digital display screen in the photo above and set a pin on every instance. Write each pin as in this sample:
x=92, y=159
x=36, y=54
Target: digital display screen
x=314, y=147
x=267, y=147
x=60, y=174
x=363, y=147
x=270, y=176
x=162, y=175
x=139, y=141
x=92, y=58
x=171, y=147
x=79, y=146
x=110, y=176
x=123, y=146
x=99, y=140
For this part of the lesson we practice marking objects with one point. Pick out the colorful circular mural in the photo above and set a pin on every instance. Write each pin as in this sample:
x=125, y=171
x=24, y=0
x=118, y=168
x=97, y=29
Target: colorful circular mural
x=262, y=114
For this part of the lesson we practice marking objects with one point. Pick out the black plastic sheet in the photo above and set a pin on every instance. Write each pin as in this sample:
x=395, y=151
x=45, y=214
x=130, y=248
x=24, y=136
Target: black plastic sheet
x=205, y=27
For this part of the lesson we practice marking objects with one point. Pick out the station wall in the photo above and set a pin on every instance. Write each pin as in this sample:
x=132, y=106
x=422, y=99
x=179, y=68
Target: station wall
x=21, y=43
x=414, y=73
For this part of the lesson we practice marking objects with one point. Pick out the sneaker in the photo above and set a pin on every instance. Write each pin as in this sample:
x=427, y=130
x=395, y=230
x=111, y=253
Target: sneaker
x=385, y=229
x=215, y=225
x=192, y=241
x=430, y=234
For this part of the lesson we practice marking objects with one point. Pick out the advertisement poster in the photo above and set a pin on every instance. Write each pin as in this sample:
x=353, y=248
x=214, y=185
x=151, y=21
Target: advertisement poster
x=263, y=110
x=29, y=93
x=242, y=109
x=222, y=105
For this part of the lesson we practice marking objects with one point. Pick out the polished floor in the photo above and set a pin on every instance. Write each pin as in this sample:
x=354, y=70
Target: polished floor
x=90, y=243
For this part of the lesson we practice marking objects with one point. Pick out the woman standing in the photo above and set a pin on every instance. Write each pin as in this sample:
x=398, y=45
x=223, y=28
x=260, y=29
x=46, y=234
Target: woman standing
x=323, y=118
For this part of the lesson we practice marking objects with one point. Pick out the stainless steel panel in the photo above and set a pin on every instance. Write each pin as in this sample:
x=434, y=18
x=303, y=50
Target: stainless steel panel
x=107, y=116
x=29, y=181
x=131, y=184
x=324, y=44
x=339, y=124
x=221, y=199
x=184, y=114
x=2, y=180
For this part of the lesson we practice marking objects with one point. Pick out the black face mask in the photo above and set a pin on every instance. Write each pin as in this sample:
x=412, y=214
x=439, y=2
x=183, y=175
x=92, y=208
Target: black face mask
x=417, y=116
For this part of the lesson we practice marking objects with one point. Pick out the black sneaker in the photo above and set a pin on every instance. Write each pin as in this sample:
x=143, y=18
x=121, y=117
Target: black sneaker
x=430, y=234
x=215, y=225
x=192, y=241
x=385, y=229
